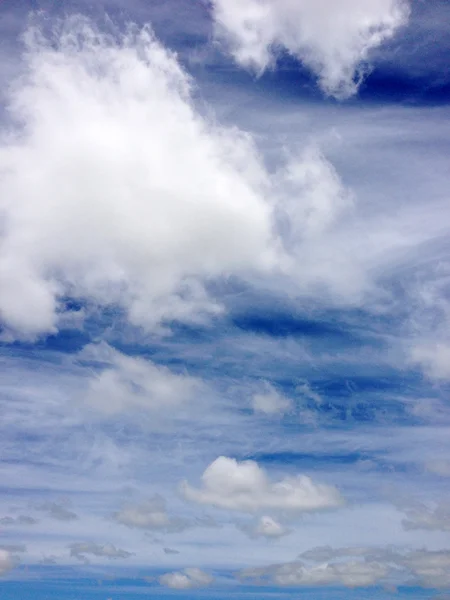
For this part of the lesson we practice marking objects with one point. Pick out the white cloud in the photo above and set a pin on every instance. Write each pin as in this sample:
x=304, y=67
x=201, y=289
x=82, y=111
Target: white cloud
x=351, y=574
x=115, y=190
x=433, y=358
x=266, y=527
x=244, y=486
x=151, y=514
x=432, y=568
x=58, y=511
x=80, y=549
x=439, y=467
x=128, y=382
x=187, y=579
x=360, y=567
x=6, y=562
x=333, y=38
x=271, y=402
x=425, y=517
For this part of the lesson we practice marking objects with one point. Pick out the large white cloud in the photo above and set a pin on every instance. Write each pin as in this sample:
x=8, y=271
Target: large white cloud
x=116, y=190
x=245, y=486
x=331, y=37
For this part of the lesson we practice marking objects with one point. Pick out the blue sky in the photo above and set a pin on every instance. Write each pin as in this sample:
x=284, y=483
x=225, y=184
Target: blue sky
x=224, y=299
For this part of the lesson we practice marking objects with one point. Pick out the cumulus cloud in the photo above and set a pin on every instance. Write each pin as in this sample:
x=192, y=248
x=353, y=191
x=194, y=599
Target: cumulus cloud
x=187, y=579
x=115, y=190
x=245, y=486
x=6, y=562
x=333, y=38
x=151, y=514
x=128, y=382
x=266, y=527
x=81, y=549
x=271, y=402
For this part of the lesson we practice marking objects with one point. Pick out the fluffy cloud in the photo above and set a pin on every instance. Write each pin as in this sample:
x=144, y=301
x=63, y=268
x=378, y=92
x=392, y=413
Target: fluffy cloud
x=266, y=527
x=244, y=486
x=128, y=382
x=80, y=549
x=115, y=190
x=187, y=579
x=151, y=514
x=331, y=37
x=271, y=402
x=6, y=562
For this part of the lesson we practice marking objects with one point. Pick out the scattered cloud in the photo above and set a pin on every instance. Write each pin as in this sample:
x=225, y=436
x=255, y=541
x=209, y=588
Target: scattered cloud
x=423, y=517
x=13, y=548
x=151, y=514
x=187, y=579
x=245, y=486
x=439, y=467
x=333, y=38
x=132, y=383
x=271, y=402
x=434, y=359
x=20, y=520
x=359, y=567
x=266, y=527
x=58, y=511
x=81, y=549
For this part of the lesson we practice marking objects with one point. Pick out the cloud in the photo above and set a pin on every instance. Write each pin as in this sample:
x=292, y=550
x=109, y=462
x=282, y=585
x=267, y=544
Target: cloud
x=266, y=527
x=58, y=511
x=350, y=573
x=271, y=402
x=80, y=549
x=128, y=382
x=20, y=520
x=13, y=548
x=431, y=568
x=186, y=580
x=87, y=215
x=244, y=486
x=424, y=517
x=439, y=467
x=151, y=514
x=359, y=567
x=6, y=562
x=433, y=358
x=333, y=38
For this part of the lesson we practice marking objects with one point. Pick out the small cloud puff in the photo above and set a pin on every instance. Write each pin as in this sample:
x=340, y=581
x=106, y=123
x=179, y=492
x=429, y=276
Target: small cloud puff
x=187, y=579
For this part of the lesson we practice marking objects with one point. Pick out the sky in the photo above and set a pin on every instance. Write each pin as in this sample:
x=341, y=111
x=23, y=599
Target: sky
x=224, y=299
